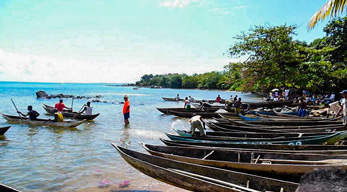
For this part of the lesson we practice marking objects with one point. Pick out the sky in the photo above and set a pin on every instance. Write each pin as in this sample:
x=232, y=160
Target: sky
x=118, y=41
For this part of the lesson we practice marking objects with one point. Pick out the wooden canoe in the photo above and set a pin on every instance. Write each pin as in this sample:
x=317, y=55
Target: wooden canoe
x=200, y=178
x=290, y=122
x=284, y=166
x=259, y=146
x=167, y=110
x=259, y=149
x=282, y=118
x=5, y=188
x=41, y=122
x=4, y=129
x=250, y=134
x=268, y=129
x=171, y=99
x=70, y=114
x=202, y=114
x=326, y=139
x=230, y=138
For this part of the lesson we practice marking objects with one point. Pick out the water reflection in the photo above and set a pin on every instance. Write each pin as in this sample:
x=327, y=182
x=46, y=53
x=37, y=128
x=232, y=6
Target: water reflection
x=125, y=137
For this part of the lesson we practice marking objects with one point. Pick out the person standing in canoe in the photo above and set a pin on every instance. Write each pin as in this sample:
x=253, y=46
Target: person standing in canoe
x=187, y=104
x=177, y=97
x=302, y=108
x=237, y=105
x=126, y=110
x=343, y=106
x=197, y=122
x=32, y=113
x=87, y=109
x=60, y=106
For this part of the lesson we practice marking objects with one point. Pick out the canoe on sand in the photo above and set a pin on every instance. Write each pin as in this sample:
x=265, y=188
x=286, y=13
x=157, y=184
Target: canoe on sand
x=70, y=114
x=41, y=122
x=277, y=165
x=200, y=178
x=167, y=110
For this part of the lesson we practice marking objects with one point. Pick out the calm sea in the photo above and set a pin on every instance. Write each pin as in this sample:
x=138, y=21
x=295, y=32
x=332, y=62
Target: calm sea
x=53, y=159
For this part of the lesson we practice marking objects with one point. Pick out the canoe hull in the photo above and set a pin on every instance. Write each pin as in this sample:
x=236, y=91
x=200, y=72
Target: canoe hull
x=74, y=115
x=42, y=122
x=4, y=129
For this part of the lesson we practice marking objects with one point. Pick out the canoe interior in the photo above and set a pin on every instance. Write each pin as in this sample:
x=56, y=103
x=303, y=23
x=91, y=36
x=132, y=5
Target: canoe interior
x=237, y=178
x=3, y=130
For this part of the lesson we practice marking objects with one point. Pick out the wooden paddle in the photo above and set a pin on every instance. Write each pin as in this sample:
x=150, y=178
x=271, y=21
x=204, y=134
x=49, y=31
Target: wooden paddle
x=16, y=109
x=78, y=111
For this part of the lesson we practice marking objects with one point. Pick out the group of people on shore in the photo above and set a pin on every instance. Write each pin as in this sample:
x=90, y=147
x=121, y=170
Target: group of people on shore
x=307, y=96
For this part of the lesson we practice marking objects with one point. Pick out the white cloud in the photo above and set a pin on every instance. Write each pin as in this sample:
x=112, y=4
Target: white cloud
x=34, y=68
x=177, y=3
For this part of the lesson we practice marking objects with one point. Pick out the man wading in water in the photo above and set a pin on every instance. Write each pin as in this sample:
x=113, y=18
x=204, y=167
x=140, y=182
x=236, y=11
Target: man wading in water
x=126, y=110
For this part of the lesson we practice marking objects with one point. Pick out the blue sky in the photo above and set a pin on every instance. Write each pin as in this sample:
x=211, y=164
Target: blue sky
x=120, y=40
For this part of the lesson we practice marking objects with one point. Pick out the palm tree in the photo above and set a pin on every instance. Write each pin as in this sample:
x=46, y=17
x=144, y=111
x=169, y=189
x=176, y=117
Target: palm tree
x=332, y=8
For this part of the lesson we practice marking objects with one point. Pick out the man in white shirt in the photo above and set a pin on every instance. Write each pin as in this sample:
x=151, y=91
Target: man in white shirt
x=88, y=109
x=343, y=106
x=197, y=122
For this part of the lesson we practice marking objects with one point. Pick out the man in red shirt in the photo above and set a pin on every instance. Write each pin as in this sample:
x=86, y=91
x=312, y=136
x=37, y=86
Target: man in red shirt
x=126, y=110
x=60, y=106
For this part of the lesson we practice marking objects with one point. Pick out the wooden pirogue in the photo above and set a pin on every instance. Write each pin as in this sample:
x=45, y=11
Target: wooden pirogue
x=171, y=99
x=258, y=146
x=184, y=133
x=284, y=119
x=4, y=129
x=41, y=122
x=74, y=115
x=288, y=122
x=167, y=110
x=200, y=178
x=202, y=114
x=5, y=188
x=273, y=139
x=272, y=129
x=260, y=149
x=325, y=139
x=277, y=165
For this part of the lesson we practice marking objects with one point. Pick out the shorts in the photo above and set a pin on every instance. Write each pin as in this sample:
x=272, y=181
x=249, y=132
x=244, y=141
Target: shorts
x=126, y=115
x=188, y=108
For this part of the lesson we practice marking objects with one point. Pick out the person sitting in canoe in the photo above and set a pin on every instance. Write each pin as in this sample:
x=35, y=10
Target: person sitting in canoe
x=187, y=104
x=32, y=113
x=177, y=97
x=87, y=109
x=197, y=122
x=60, y=106
x=58, y=116
x=218, y=99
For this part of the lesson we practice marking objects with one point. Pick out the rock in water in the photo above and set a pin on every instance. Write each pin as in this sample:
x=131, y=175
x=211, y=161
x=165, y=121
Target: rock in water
x=41, y=94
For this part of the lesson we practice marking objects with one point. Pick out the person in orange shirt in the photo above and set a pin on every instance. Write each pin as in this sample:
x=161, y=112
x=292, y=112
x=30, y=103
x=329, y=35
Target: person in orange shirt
x=126, y=110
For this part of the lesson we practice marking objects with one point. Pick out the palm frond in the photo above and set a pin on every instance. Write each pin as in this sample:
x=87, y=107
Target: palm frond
x=332, y=8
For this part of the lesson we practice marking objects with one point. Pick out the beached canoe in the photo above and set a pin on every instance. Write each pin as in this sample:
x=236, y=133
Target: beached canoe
x=258, y=146
x=184, y=133
x=5, y=188
x=202, y=114
x=284, y=166
x=70, y=114
x=259, y=149
x=288, y=122
x=268, y=129
x=200, y=178
x=326, y=140
x=167, y=110
x=41, y=122
x=4, y=129
x=281, y=118
x=230, y=138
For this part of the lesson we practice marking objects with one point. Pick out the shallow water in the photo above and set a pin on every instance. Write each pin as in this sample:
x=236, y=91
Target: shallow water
x=56, y=159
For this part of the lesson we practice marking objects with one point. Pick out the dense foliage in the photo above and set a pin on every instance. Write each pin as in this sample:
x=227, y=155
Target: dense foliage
x=274, y=60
